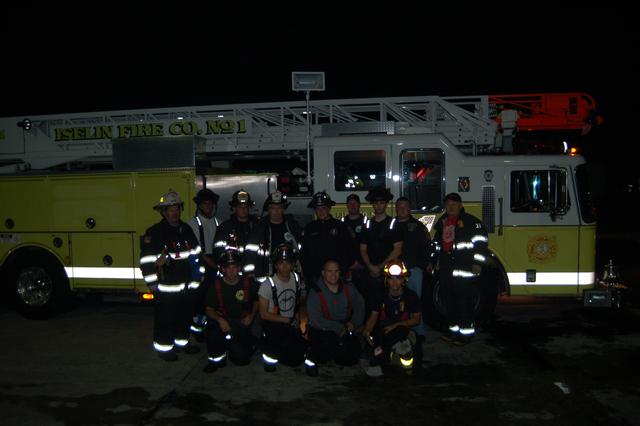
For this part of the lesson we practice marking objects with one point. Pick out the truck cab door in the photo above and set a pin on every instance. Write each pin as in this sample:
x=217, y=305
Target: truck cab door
x=541, y=232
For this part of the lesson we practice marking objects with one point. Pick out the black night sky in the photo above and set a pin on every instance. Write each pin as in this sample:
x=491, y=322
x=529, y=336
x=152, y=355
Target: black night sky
x=85, y=59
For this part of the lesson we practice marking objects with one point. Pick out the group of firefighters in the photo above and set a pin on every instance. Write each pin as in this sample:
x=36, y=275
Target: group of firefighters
x=307, y=295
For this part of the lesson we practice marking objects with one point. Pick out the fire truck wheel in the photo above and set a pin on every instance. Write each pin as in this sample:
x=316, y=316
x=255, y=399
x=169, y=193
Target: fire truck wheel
x=40, y=285
x=487, y=296
x=435, y=310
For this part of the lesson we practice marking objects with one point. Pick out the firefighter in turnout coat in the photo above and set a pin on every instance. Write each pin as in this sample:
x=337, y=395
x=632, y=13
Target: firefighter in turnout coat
x=461, y=249
x=169, y=260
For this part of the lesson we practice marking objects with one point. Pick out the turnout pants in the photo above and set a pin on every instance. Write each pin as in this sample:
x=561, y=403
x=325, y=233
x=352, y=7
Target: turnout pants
x=172, y=319
x=327, y=345
x=284, y=343
x=239, y=346
x=383, y=344
x=460, y=294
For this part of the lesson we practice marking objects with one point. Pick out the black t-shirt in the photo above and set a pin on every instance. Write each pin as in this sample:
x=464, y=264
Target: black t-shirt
x=233, y=298
x=397, y=309
x=379, y=238
x=277, y=234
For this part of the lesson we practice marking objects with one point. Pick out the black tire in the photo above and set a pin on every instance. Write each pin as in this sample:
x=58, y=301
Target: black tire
x=485, y=305
x=435, y=311
x=39, y=285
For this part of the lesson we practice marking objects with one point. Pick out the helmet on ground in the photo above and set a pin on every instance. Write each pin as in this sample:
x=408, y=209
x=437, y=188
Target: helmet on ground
x=320, y=199
x=206, y=194
x=396, y=269
x=276, y=197
x=229, y=257
x=241, y=197
x=283, y=252
x=170, y=198
x=379, y=193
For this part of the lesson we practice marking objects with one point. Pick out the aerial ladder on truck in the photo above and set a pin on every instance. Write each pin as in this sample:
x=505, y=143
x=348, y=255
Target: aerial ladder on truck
x=477, y=125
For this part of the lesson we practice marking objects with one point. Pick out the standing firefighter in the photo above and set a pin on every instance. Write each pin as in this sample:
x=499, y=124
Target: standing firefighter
x=282, y=310
x=324, y=238
x=169, y=260
x=273, y=229
x=204, y=224
x=235, y=232
x=231, y=308
x=389, y=327
x=461, y=246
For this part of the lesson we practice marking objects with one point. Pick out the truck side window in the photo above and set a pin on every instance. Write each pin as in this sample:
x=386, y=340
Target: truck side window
x=359, y=170
x=422, y=178
x=538, y=191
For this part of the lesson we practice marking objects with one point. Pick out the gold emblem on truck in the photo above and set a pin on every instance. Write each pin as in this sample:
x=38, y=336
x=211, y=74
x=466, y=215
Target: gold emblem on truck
x=542, y=248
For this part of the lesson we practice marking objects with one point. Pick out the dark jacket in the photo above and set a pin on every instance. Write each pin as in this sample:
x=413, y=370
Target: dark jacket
x=471, y=244
x=415, y=242
x=260, y=245
x=232, y=227
x=324, y=239
x=181, y=247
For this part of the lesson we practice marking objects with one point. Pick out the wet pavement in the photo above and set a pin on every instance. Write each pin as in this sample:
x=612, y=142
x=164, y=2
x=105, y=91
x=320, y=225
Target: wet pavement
x=552, y=363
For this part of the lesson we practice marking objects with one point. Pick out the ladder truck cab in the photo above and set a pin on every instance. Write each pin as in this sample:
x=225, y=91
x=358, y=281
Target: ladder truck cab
x=531, y=194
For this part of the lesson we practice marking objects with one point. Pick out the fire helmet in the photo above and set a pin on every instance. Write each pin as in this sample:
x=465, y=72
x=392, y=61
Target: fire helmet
x=276, y=197
x=320, y=199
x=396, y=269
x=206, y=194
x=241, y=197
x=170, y=198
x=283, y=252
x=379, y=193
x=228, y=257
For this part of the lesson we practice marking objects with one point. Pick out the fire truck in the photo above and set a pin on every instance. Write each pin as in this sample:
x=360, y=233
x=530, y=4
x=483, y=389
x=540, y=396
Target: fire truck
x=77, y=189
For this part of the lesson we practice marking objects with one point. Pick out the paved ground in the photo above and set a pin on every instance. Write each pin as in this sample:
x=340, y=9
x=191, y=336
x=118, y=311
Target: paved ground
x=551, y=364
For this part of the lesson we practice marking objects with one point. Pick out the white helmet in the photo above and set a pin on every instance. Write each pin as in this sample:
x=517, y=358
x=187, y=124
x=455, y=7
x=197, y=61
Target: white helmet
x=171, y=198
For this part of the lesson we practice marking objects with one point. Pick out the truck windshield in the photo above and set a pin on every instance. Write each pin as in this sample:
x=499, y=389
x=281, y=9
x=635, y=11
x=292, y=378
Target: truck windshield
x=585, y=194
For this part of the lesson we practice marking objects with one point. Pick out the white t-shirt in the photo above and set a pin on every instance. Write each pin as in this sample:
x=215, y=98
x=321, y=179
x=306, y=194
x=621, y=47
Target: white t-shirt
x=286, y=294
x=209, y=226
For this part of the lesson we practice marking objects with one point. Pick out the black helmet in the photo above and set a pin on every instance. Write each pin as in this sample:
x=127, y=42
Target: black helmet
x=353, y=197
x=283, y=252
x=228, y=257
x=379, y=193
x=276, y=197
x=206, y=194
x=320, y=199
x=241, y=197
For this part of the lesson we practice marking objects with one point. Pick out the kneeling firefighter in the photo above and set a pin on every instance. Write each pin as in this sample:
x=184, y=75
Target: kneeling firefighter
x=231, y=308
x=388, y=328
x=282, y=311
